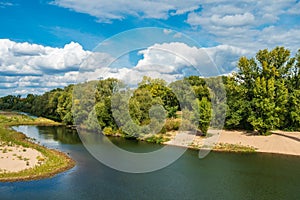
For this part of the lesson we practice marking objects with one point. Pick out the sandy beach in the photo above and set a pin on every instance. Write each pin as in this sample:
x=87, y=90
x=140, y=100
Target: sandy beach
x=280, y=142
x=15, y=158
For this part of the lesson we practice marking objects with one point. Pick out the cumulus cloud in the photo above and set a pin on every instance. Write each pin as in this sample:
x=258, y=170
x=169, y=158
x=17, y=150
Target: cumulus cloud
x=242, y=13
x=226, y=57
x=24, y=66
x=175, y=57
x=233, y=20
x=240, y=23
x=172, y=61
x=106, y=11
x=273, y=36
x=25, y=58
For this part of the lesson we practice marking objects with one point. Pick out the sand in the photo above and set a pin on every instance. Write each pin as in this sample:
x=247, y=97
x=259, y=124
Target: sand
x=15, y=158
x=279, y=142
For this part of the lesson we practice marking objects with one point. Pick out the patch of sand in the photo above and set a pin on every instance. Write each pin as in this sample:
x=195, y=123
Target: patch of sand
x=280, y=142
x=15, y=158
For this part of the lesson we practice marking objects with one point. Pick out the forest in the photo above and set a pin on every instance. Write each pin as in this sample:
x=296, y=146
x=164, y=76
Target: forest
x=262, y=95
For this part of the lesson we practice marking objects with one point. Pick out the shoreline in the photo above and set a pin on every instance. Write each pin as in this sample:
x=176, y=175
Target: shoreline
x=279, y=142
x=42, y=163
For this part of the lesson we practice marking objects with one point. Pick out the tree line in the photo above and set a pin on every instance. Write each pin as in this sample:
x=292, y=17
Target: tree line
x=263, y=95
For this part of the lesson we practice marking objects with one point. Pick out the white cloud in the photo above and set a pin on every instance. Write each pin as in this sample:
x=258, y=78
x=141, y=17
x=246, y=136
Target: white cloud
x=173, y=61
x=174, y=57
x=225, y=56
x=167, y=31
x=221, y=20
x=233, y=20
x=272, y=36
x=106, y=11
x=5, y=4
x=242, y=13
x=169, y=61
x=247, y=24
x=295, y=10
x=8, y=85
x=60, y=59
x=25, y=58
x=177, y=35
x=25, y=66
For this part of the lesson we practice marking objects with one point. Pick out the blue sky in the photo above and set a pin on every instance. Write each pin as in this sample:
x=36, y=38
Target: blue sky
x=44, y=42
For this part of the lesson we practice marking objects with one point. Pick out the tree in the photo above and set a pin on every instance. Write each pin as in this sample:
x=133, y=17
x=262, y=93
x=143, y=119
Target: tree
x=263, y=116
x=205, y=114
x=267, y=93
x=237, y=105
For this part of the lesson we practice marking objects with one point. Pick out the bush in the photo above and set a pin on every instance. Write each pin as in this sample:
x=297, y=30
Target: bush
x=186, y=125
x=158, y=139
x=107, y=131
x=172, y=124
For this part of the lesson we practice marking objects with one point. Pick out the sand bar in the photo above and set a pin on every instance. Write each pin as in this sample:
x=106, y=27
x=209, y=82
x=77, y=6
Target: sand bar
x=280, y=142
x=15, y=158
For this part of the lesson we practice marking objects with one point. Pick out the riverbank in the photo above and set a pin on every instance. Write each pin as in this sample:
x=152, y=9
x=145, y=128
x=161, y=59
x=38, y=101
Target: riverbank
x=22, y=159
x=279, y=142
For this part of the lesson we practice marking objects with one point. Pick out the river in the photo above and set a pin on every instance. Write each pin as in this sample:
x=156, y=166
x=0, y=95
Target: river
x=217, y=176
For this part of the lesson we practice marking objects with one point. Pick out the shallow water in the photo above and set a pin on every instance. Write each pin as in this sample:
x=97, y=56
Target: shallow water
x=217, y=176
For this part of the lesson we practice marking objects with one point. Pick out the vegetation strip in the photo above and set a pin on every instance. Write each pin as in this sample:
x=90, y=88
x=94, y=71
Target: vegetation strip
x=54, y=162
x=263, y=95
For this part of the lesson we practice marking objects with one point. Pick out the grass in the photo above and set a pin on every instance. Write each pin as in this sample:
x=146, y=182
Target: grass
x=158, y=139
x=234, y=148
x=225, y=147
x=53, y=162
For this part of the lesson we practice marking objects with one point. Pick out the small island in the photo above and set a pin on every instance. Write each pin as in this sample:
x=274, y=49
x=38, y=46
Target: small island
x=22, y=159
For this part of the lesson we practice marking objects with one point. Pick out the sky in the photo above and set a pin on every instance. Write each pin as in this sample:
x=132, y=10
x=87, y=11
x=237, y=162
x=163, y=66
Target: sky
x=45, y=44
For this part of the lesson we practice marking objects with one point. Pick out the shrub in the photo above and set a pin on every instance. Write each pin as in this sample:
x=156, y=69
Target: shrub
x=108, y=131
x=172, y=124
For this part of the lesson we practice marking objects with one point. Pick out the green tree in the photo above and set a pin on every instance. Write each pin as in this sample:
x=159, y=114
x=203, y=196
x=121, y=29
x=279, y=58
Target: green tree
x=263, y=80
x=205, y=114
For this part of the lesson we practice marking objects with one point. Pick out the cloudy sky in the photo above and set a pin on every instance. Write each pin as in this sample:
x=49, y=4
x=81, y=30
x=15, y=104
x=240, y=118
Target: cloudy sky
x=45, y=44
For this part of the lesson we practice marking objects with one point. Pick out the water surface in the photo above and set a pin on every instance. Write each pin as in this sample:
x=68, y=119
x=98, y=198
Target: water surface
x=217, y=176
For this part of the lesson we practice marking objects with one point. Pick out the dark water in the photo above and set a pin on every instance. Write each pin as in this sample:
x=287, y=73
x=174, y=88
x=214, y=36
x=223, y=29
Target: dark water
x=217, y=176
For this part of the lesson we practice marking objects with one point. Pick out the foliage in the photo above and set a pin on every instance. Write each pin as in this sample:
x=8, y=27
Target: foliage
x=262, y=95
x=205, y=114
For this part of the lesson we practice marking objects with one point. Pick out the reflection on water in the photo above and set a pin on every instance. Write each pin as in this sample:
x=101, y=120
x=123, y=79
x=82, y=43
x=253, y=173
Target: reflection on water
x=217, y=176
x=51, y=136
x=61, y=133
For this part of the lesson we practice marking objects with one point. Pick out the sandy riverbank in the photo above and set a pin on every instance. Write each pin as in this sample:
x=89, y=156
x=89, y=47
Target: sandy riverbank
x=14, y=158
x=20, y=158
x=279, y=142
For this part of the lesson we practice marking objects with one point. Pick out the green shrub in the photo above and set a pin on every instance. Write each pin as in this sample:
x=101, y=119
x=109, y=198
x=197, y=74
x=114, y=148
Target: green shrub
x=172, y=124
x=108, y=131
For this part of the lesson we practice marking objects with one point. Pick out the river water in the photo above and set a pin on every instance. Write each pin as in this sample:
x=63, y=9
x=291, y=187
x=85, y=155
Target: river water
x=217, y=176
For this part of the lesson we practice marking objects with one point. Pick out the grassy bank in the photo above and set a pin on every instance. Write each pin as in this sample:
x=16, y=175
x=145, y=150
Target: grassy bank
x=54, y=161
